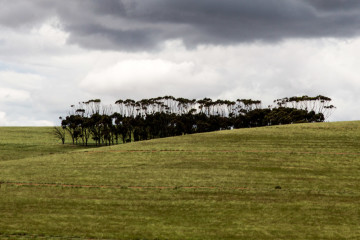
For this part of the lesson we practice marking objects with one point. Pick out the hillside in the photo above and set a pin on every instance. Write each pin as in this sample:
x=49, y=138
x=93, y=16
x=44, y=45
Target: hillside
x=22, y=142
x=282, y=182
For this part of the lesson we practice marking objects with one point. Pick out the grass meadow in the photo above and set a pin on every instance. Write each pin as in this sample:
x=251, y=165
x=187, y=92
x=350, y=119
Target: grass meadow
x=297, y=181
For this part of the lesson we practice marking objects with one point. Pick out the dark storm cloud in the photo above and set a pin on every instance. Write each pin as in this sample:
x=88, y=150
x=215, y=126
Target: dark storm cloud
x=98, y=37
x=145, y=24
x=334, y=5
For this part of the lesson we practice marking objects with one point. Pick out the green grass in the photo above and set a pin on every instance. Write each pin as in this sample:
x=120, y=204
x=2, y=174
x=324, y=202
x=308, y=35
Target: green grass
x=23, y=142
x=234, y=175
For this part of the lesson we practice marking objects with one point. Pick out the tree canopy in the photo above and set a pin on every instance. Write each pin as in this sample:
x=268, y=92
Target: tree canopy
x=169, y=116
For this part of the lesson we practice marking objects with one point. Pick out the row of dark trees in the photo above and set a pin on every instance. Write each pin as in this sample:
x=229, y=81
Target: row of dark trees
x=167, y=116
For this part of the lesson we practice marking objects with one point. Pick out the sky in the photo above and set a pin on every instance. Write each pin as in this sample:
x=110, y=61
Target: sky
x=57, y=53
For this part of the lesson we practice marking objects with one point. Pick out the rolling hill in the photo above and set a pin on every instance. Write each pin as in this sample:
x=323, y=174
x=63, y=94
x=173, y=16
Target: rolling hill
x=282, y=182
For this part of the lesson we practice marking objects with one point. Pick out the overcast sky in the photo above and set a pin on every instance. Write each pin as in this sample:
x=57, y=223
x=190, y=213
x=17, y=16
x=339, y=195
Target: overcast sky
x=57, y=53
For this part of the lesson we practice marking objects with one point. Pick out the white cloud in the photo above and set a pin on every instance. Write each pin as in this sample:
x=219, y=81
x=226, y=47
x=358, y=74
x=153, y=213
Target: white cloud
x=9, y=95
x=259, y=71
x=51, y=32
x=3, y=121
x=139, y=78
x=42, y=75
x=21, y=80
x=39, y=74
x=22, y=121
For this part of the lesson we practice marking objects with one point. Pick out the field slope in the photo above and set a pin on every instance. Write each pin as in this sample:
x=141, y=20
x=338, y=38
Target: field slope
x=282, y=182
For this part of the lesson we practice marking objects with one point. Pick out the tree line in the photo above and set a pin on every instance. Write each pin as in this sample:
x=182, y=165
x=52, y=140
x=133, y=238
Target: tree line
x=129, y=120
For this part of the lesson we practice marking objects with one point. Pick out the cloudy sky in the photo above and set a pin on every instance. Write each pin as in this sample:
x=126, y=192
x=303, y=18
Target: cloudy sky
x=57, y=53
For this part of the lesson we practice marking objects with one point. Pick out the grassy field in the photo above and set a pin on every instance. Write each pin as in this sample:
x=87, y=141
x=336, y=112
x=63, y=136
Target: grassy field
x=283, y=182
x=22, y=142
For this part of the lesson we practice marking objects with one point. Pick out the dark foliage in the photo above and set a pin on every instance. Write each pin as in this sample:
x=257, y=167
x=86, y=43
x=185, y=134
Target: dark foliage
x=168, y=116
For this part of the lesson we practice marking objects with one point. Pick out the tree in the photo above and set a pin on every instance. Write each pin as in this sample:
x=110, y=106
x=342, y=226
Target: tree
x=168, y=116
x=59, y=133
